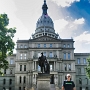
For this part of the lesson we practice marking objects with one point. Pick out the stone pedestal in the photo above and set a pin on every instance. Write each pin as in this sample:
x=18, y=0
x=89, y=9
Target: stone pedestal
x=43, y=81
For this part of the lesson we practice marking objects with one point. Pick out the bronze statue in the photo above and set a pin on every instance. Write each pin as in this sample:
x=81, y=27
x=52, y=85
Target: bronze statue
x=45, y=68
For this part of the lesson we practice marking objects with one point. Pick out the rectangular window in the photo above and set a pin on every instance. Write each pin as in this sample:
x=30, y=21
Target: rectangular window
x=68, y=45
x=21, y=46
x=64, y=55
x=68, y=55
x=38, y=45
x=64, y=45
x=10, y=71
x=69, y=67
x=44, y=45
x=11, y=61
x=21, y=56
x=50, y=55
x=4, y=71
x=65, y=66
x=79, y=70
x=78, y=60
x=84, y=60
x=24, y=67
x=50, y=45
x=25, y=46
x=20, y=67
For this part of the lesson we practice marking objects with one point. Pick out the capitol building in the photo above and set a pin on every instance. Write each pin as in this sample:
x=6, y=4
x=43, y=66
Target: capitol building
x=23, y=66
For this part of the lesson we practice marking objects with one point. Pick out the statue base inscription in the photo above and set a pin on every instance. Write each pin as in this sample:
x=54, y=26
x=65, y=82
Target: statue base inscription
x=43, y=81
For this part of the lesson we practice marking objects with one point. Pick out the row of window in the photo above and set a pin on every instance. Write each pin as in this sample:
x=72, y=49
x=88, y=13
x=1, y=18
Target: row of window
x=22, y=46
x=67, y=67
x=11, y=71
x=86, y=81
x=86, y=88
x=66, y=56
x=23, y=57
x=10, y=81
x=4, y=88
x=79, y=71
x=24, y=79
x=51, y=68
x=79, y=61
x=45, y=45
x=21, y=88
x=21, y=67
x=66, y=45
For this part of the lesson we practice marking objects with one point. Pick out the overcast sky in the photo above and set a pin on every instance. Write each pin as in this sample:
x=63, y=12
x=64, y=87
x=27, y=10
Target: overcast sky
x=71, y=19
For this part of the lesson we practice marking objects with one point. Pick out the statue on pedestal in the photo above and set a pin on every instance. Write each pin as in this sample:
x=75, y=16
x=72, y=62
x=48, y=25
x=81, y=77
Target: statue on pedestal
x=45, y=67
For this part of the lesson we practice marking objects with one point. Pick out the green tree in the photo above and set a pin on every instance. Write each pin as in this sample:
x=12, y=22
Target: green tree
x=88, y=68
x=6, y=41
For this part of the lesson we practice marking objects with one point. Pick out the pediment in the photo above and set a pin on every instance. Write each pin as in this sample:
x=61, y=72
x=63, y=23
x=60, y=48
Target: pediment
x=46, y=39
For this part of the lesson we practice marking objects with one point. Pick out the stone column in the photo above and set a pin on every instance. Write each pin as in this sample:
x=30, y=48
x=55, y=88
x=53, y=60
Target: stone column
x=35, y=78
x=29, y=79
x=54, y=65
x=55, y=79
x=35, y=65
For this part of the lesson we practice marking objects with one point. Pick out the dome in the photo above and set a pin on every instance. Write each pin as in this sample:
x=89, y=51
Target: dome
x=44, y=25
x=45, y=21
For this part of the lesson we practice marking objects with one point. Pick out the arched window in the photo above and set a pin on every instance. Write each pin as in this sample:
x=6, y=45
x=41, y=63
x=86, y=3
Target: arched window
x=24, y=79
x=65, y=66
x=69, y=67
x=65, y=77
x=4, y=81
x=24, y=67
x=20, y=67
x=86, y=81
x=80, y=81
x=20, y=79
x=19, y=88
x=64, y=55
x=10, y=81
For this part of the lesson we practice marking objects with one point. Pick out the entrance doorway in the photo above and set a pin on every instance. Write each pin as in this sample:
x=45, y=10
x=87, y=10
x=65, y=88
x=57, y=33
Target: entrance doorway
x=52, y=79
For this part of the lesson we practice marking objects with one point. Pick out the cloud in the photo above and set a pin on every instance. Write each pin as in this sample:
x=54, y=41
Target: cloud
x=79, y=21
x=68, y=28
x=60, y=24
x=82, y=42
x=64, y=3
x=84, y=37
